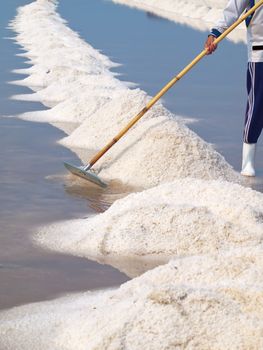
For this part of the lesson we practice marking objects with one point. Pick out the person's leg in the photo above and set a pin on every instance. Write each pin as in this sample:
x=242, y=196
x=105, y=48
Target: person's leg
x=254, y=116
x=254, y=112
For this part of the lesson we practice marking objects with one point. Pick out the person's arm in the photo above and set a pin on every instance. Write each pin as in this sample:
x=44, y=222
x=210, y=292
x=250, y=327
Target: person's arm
x=231, y=13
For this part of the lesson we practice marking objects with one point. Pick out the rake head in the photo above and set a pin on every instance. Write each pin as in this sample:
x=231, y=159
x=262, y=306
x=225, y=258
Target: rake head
x=85, y=174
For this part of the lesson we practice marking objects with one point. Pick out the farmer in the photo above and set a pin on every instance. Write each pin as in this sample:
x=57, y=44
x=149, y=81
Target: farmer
x=254, y=111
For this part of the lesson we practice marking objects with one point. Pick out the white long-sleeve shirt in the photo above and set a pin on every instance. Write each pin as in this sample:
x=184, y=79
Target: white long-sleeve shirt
x=231, y=13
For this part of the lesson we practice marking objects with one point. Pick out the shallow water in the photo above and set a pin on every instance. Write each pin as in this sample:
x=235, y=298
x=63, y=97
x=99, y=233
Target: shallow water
x=34, y=191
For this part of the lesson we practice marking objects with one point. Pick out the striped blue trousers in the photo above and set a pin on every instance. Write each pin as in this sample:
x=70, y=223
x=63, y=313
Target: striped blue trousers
x=254, y=112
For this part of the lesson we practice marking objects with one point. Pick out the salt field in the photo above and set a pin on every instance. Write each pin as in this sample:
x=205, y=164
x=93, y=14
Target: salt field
x=177, y=203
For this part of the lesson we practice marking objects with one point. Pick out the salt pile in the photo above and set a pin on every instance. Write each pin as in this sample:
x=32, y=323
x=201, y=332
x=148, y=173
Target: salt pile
x=182, y=218
x=198, y=14
x=160, y=147
x=201, y=302
x=197, y=301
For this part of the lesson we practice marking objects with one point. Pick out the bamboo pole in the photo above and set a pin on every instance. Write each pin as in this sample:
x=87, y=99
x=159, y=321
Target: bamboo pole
x=168, y=86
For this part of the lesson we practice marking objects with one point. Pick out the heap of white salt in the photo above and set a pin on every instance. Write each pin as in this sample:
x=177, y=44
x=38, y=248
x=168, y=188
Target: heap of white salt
x=63, y=64
x=92, y=106
x=202, y=302
x=182, y=218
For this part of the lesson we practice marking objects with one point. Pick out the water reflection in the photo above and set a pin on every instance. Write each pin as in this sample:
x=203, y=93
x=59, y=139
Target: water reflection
x=153, y=16
x=99, y=199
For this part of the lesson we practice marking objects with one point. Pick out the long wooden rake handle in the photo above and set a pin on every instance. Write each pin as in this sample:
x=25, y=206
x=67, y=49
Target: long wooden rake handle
x=168, y=86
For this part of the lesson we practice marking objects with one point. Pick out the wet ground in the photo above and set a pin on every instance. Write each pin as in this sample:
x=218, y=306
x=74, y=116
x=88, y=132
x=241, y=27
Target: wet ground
x=33, y=189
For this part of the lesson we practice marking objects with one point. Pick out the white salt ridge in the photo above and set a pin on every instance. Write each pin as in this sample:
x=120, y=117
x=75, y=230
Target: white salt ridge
x=62, y=89
x=198, y=14
x=182, y=218
x=99, y=127
x=64, y=65
x=160, y=150
x=74, y=79
x=201, y=302
x=44, y=77
x=72, y=110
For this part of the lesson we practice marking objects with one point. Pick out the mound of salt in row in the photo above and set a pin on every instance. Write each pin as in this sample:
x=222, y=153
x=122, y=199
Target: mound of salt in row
x=65, y=88
x=44, y=76
x=102, y=125
x=73, y=110
x=197, y=14
x=144, y=149
x=201, y=302
x=185, y=217
x=40, y=17
x=160, y=149
x=64, y=65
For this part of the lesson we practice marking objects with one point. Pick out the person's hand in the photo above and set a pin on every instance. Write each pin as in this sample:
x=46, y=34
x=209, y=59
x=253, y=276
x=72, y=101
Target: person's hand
x=209, y=44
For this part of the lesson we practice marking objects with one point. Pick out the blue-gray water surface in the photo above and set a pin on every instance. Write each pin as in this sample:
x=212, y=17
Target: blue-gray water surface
x=151, y=51
x=28, y=155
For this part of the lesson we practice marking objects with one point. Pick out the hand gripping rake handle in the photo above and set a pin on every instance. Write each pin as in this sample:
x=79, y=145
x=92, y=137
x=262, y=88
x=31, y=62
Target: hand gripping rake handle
x=168, y=86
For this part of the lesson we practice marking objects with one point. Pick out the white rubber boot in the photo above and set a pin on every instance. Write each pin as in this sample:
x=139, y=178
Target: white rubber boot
x=248, y=159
